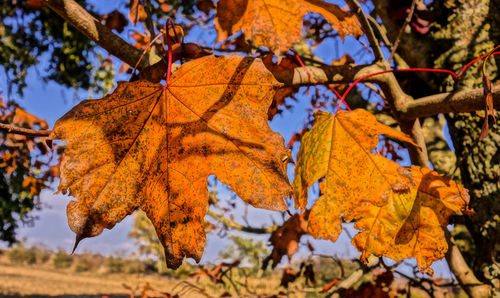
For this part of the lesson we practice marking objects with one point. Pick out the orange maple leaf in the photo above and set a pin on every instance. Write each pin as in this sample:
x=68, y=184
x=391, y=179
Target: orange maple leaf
x=277, y=24
x=150, y=147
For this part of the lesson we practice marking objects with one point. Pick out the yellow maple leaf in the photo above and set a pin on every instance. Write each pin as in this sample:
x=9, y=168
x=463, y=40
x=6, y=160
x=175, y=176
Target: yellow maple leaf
x=401, y=212
x=338, y=149
x=412, y=223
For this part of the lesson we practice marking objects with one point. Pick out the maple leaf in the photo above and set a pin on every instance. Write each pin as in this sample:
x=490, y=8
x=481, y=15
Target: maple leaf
x=277, y=24
x=412, y=223
x=25, y=119
x=401, y=212
x=149, y=147
x=338, y=149
x=344, y=22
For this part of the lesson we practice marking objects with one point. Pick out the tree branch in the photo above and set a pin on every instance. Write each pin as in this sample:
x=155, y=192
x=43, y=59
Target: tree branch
x=462, y=271
x=8, y=128
x=234, y=225
x=358, y=11
x=452, y=102
x=77, y=16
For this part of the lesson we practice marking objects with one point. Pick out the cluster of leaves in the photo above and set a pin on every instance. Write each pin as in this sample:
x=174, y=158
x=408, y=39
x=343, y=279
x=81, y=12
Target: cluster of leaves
x=153, y=147
x=26, y=167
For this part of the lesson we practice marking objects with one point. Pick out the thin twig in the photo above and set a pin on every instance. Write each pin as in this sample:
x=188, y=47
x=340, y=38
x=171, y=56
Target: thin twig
x=380, y=30
x=8, y=128
x=358, y=11
x=149, y=19
x=375, y=89
x=234, y=225
x=400, y=34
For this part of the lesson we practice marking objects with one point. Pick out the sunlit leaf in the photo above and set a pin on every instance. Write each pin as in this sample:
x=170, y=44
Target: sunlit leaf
x=150, y=147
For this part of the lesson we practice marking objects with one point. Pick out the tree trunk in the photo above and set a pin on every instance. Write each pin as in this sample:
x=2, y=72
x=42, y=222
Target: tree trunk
x=461, y=31
x=471, y=30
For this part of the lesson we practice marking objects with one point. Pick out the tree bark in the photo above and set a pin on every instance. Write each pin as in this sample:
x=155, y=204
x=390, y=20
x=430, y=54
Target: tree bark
x=464, y=30
x=470, y=31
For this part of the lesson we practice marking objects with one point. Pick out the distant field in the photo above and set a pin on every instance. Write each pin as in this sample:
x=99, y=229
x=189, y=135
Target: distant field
x=43, y=281
x=49, y=274
x=29, y=280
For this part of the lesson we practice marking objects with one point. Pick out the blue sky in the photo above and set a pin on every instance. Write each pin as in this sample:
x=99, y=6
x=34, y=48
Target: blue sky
x=50, y=101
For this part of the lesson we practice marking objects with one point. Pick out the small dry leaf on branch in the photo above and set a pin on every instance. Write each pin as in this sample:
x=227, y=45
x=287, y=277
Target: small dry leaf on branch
x=25, y=119
x=287, y=62
x=343, y=21
x=149, y=147
x=136, y=12
x=205, y=5
x=115, y=20
x=489, y=109
x=217, y=273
